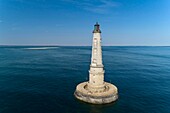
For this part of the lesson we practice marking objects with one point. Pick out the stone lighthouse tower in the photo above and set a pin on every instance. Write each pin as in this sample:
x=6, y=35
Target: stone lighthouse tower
x=96, y=90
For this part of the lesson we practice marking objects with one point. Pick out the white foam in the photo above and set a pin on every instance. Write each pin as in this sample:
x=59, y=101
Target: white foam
x=41, y=48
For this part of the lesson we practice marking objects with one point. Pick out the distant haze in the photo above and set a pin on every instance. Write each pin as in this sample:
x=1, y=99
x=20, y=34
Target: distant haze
x=70, y=22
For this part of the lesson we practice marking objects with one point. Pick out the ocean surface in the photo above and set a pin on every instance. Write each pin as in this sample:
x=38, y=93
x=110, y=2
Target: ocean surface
x=39, y=79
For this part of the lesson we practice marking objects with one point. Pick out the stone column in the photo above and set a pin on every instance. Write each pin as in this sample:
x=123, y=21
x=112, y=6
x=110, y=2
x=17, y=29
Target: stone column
x=96, y=72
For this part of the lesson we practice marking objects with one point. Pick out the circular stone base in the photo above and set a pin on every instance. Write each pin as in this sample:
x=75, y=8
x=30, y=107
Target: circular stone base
x=107, y=96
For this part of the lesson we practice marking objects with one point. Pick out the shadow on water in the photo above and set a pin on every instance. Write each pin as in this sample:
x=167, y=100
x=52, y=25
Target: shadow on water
x=97, y=108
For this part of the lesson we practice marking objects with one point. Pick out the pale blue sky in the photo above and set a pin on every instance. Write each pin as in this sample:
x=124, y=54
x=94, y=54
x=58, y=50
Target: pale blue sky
x=70, y=22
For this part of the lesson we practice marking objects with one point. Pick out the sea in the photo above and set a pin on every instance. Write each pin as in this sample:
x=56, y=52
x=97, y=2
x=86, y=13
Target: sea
x=42, y=79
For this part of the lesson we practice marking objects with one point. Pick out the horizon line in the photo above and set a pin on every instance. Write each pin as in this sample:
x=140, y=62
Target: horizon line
x=75, y=45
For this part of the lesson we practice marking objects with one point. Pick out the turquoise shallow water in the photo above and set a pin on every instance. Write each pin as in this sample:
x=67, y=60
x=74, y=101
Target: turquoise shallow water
x=43, y=79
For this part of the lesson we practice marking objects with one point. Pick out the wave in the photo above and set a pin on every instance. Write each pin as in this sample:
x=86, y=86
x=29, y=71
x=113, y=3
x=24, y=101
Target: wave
x=41, y=48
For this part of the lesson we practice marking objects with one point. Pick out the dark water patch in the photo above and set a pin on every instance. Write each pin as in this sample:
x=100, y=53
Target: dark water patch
x=44, y=80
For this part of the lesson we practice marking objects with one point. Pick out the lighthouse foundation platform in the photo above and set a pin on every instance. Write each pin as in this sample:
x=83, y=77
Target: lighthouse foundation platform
x=107, y=94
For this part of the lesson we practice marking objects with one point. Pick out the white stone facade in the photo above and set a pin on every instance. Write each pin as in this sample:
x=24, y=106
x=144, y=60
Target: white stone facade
x=96, y=72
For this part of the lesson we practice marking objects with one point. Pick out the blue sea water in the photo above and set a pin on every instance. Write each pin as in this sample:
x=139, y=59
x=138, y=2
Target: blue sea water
x=37, y=79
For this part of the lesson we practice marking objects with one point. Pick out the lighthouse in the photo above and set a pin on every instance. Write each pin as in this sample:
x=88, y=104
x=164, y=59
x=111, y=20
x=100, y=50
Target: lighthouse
x=96, y=90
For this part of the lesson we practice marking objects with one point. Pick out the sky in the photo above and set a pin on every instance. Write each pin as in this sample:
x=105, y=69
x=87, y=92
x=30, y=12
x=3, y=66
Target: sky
x=71, y=22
